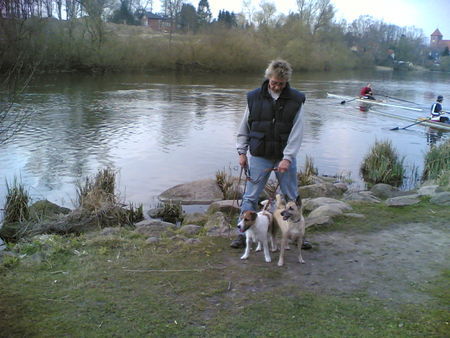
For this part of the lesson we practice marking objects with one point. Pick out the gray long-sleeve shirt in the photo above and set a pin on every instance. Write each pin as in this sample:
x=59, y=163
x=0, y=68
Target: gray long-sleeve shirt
x=294, y=141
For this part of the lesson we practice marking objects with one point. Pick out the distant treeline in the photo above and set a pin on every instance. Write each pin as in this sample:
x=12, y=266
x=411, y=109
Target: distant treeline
x=100, y=35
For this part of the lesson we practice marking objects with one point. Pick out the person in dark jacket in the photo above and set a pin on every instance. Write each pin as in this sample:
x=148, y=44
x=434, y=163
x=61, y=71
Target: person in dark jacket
x=271, y=131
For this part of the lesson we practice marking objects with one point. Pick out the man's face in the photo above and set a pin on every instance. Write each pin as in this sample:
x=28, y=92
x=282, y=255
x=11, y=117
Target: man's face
x=276, y=85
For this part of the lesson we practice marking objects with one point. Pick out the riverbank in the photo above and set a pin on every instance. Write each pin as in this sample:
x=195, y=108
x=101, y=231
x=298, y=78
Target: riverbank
x=363, y=276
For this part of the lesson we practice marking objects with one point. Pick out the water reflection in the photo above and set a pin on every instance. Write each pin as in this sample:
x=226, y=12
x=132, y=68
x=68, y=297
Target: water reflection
x=162, y=130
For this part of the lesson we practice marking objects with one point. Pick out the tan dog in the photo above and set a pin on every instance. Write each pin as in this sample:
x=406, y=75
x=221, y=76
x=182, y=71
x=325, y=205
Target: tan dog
x=289, y=219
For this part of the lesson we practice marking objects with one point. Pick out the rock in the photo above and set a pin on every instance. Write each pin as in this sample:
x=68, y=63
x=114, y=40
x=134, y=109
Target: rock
x=195, y=218
x=311, y=204
x=153, y=228
x=109, y=231
x=383, y=191
x=197, y=192
x=361, y=196
x=341, y=186
x=401, y=201
x=45, y=209
x=428, y=190
x=442, y=198
x=322, y=220
x=320, y=190
x=226, y=206
x=152, y=240
x=190, y=229
x=192, y=241
x=353, y=215
x=326, y=210
x=218, y=225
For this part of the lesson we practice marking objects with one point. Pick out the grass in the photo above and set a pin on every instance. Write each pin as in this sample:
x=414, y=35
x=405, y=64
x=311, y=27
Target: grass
x=382, y=165
x=437, y=162
x=92, y=285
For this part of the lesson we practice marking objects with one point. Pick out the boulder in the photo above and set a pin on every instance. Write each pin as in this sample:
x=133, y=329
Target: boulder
x=218, y=225
x=442, y=198
x=428, y=190
x=109, y=231
x=401, y=201
x=320, y=190
x=318, y=221
x=197, y=192
x=383, y=191
x=46, y=209
x=226, y=206
x=313, y=203
x=361, y=196
x=330, y=210
x=190, y=229
x=154, y=228
x=195, y=218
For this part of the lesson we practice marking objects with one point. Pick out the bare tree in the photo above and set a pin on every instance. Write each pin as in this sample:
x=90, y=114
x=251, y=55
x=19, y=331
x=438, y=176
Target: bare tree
x=13, y=82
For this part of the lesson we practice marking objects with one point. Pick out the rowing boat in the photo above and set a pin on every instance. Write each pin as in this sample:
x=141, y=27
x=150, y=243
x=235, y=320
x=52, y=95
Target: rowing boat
x=434, y=124
x=347, y=98
x=426, y=121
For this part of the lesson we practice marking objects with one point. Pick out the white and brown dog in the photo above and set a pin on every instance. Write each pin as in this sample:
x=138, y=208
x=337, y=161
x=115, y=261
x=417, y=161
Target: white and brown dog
x=289, y=219
x=257, y=228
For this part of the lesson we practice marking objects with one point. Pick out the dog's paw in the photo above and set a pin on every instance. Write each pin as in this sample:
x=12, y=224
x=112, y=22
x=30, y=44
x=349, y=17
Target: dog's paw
x=244, y=257
x=280, y=263
x=301, y=261
x=268, y=259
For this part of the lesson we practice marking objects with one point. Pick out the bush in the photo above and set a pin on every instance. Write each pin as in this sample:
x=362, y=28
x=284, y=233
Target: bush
x=382, y=165
x=437, y=161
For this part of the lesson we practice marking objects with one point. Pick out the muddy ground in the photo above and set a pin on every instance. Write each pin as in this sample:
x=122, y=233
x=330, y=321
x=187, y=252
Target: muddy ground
x=394, y=265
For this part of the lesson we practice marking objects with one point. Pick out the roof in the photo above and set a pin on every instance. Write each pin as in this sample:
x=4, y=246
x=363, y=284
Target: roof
x=151, y=15
x=436, y=33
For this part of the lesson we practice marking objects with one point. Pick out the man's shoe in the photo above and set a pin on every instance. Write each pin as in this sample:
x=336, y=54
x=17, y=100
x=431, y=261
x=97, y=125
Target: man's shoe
x=306, y=245
x=239, y=242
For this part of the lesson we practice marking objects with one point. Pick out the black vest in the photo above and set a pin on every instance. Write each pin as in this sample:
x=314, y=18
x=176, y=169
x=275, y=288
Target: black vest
x=271, y=121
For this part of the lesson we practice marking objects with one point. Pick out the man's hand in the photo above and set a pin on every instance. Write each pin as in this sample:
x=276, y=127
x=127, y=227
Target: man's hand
x=283, y=166
x=243, y=162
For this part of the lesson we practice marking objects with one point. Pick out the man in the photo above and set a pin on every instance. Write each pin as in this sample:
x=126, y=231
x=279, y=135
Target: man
x=272, y=130
x=436, y=111
x=366, y=92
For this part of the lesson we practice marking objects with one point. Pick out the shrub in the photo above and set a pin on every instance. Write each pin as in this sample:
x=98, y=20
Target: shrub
x=382, y=165
x=437, y=160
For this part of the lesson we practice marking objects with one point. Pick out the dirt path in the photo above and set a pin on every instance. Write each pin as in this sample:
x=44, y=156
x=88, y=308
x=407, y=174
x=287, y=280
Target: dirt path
x=395, y=264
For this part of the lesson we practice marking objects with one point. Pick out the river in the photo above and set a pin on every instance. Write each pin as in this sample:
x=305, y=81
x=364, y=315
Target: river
x=161, y=130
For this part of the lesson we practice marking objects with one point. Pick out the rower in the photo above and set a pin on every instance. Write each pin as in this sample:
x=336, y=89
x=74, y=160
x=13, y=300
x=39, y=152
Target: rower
x=436, y=111
x=366, y=92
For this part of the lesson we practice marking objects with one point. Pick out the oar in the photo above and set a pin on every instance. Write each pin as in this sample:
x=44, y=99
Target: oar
x=342, y=102
x=413, y=124
x=395, y=98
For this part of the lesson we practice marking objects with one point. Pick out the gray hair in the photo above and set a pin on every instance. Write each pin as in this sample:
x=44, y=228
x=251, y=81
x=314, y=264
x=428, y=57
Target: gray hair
x=280, y=69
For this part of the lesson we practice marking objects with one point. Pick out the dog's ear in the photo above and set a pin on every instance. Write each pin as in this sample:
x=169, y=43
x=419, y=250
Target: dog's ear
x=298, y=201
x=253, y=215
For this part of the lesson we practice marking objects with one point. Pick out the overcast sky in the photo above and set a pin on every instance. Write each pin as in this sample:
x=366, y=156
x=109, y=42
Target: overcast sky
x=425, y=14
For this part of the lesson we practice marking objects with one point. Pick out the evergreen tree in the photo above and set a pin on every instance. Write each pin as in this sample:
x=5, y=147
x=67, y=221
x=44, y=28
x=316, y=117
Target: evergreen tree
x=188, y=18
x=203, y=13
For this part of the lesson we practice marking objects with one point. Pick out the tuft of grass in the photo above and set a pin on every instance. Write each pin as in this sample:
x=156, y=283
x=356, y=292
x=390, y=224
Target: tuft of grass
x=383, y=165
x=437, y=161
x=305, y=177
x=97, y=191
x=16, y=205
x=227, y=184
x=170, y=212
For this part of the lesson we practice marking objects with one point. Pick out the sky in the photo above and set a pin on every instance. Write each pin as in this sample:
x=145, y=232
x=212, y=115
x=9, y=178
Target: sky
x=424, y=14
